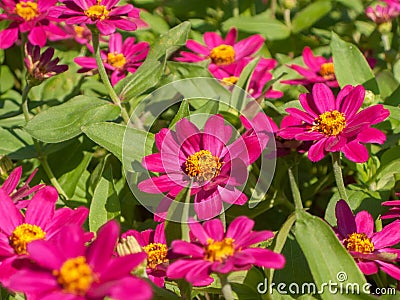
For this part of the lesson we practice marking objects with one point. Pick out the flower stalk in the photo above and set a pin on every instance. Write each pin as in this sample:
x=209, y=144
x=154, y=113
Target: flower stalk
x=337, y=171
x=226, y=287
x=292, y=171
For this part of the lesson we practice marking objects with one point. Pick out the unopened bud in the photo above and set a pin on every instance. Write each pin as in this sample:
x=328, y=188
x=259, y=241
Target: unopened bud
x=130, y=245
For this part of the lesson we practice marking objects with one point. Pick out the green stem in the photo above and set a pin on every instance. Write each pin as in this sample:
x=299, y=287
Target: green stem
x=286, y=16
x=41, y=156
x=235, y=8
x=104, y=77
x=337, y=171
x=294, y=187
x=226, y=287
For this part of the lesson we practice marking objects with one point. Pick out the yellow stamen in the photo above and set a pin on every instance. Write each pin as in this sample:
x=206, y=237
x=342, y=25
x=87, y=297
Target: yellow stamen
x=156, y=254
x=327, y=71
x=23, y=235
x=330, y=123
x=27, y=10
x=230, y=80
x=79, y=30
x=203, y=166
x=75, y=276
x=117, y=60
x=222, y=55
x=219, y=250
x=359, y=242
x=97, y=12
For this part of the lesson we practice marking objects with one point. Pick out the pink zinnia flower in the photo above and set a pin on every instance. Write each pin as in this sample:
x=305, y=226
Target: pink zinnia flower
x=40, y=221
x=318, y=69
x=66, y=269
x=215, y=251
x=25, y=16
x=369, y=249
x=221, y=51
x=204, y=159
x=80, y=33
x=105, y=14
x=382, y=14
x=261, y=76
x=154, y=243
x=18, y=195
x=394, y=211
x=122, y=57
x=335, y=124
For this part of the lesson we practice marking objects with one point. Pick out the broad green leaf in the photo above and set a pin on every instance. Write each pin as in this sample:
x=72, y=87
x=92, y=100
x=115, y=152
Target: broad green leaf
x=357, y=5
x=325, y=255
x=387, y=83
x=7, y=79
x=311, y=14
x=183, y=112
x=351, y=67
x=17, y=144
x=157, y=23
x=63, y=122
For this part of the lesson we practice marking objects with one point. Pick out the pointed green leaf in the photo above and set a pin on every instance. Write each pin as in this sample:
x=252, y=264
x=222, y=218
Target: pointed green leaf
x=311, y=14
x=183, y=112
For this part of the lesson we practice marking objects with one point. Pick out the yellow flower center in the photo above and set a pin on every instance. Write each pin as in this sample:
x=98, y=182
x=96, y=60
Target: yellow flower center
x=230, y=80
x=27, y=10
x=359, y=242
x=23, y=235
x=97, y=12
x=203, y=166
x=327, y=70
x=75, y=276
x=79, y=30
x=156, y=254
x=222, y=55
x=219, y=250
x=330, y=123
x=117, y=60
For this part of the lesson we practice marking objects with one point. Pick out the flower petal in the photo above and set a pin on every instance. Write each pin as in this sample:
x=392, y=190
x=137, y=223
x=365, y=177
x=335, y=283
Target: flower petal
x=388, y=236
x=356, y=152
x=323, y=98
x=365, y=223
x=41, y=208
x=346, y=223
x=10, y=216
x=266, y=258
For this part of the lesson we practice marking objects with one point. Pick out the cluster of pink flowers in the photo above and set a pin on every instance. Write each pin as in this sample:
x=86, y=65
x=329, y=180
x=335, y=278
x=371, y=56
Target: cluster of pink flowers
x=384, y=14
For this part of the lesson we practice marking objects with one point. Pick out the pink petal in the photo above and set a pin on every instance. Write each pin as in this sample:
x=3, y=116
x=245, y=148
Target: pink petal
x=12, y=181
x=365, y=223
x=248, y=46
x=197, y=47
x=323, y=98
x=212, y=39
x=30, y=281
x=390, y=269
x=198, y=231
x=368, y=267
x=10, y=217
x=301, y=115
x=371, y=135
x=356, y=152
x=186, y=248
x=316, y=151
x=352, y=103
x=239, y=227
x=214, y=229
x=232, y=195
x=126, y=287
x=119, y=267
x=124, y=24
x=345, y=219
x=314, y=63
x=106, y=27
x=38, y=36
x=388, y=236
x=231, y=36
x=266, y=258
x=41, y=208
x=207, y=205
x=45, y=254
x=8, y=37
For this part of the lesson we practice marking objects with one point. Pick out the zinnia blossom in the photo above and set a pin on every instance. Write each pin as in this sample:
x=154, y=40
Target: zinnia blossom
x=335, y=124
x=261, y=76
x=66, y=269
x=80, y=33
x=25, y=16
x=121, y=57
x=369, y=249
x=394, y=211
x=221, y=51
x=154, y=244
x=318, y=69
x=203, y=160
x=215, y=251
x=105, y=14
x=40, y=222
x=18, y=195
x=382, y=14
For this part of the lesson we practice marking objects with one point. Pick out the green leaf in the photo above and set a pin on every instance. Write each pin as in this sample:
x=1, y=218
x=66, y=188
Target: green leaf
x=7, y=79
x=311, y=14
x=183, y=112
x=16, y=143
x=325, y=255
x=351, y=67
x=387, y=83
x=63, y=122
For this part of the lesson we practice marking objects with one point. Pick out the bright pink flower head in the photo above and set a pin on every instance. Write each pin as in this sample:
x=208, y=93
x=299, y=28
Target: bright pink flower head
x=215, y=251
x=394, y=211
x=335, y=124
x=203, y=158
x=40, y=222
x=18, y=195
x=261, y=76
x=105, y=14
x=121, y=57
x=221, y=51
x=369, y=249
x=394, y=3
x=382, y=14
x=154, y=243
x=66, y=269
x=25, y=16
x=318, y=69
x=80, y=33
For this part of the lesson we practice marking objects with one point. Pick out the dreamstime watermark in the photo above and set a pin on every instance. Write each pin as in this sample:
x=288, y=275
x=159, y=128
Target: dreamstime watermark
x=340, y=286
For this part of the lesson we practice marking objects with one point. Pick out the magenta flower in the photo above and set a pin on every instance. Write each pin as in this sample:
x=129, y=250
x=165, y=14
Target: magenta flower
x=80, y=33
x=217, y=252
x=41, y=66
x=25, y=16
x=66, y=269
x=154, y=243
x=369, y=249
x=122, y=57
x=261, y=76
x=40, y=221
x=222, y=52
x=19, y=195
x=203, y=158
x=105, y=14
x=382, y=14
x=394, y=211
x=394, y=3
x=318, y=69
x=335, y=124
